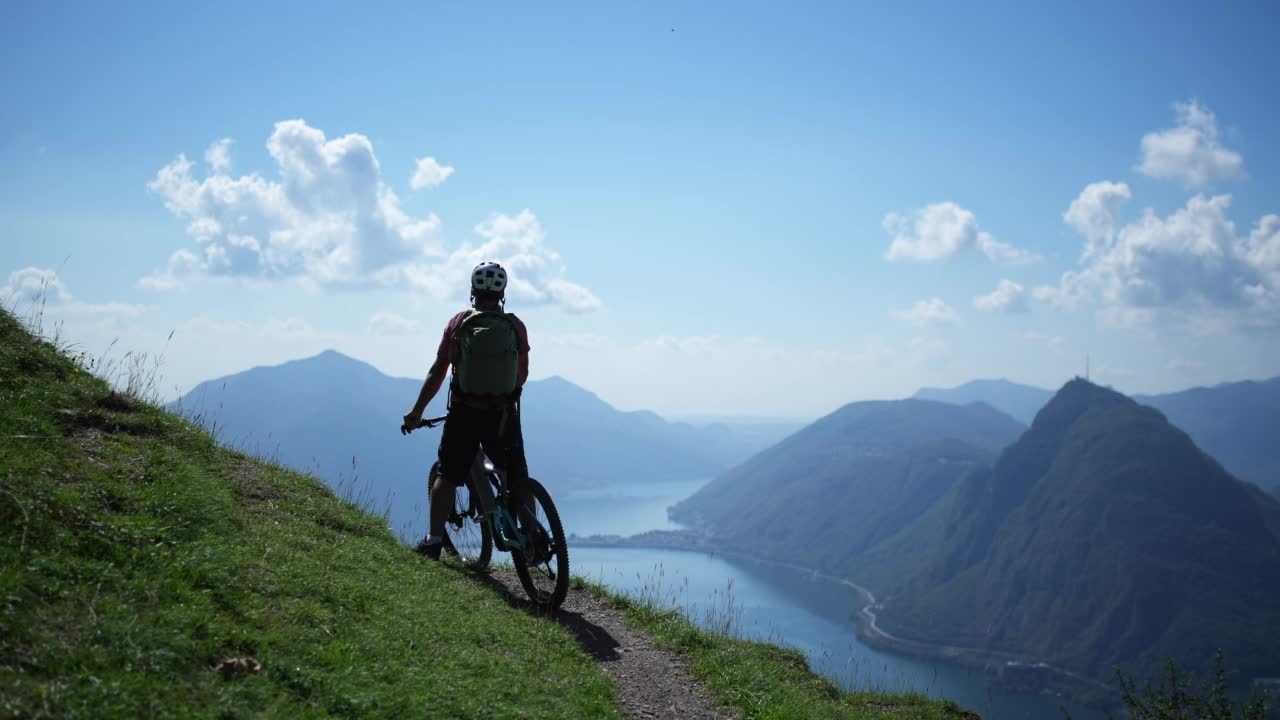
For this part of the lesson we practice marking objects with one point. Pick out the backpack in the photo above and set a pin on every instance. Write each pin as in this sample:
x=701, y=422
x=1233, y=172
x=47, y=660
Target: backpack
x=488, y=344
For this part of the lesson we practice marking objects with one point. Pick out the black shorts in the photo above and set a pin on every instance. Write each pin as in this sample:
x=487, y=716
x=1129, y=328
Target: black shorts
x=469, y=429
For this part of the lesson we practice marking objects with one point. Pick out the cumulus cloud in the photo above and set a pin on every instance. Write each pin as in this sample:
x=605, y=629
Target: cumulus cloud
x=1190, y=152
x=33, y=287
x=1095, y=214
x=429, y=174
x=517, y=242
x=1262, y=249
x=330, y=220
x=928, y=312
x=1008, y=297
x=944, y=230
x=1190, y=263
x=219, y=155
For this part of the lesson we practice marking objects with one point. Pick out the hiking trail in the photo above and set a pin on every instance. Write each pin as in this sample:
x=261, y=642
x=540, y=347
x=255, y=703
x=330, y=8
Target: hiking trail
x=652, y=682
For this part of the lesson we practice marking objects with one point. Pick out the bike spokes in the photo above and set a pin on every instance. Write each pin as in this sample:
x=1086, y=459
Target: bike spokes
x=543, y=565
x=466, y=535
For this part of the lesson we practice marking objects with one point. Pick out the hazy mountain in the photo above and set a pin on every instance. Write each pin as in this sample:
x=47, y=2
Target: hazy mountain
x=848, y=480
x=1234, y=422
x=319, y=413
x=1237, y=423
x=1019, y=401
x=1103, y=536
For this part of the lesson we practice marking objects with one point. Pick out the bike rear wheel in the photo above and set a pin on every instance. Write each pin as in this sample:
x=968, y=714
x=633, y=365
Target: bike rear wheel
x=544, y=570
x=467, y=537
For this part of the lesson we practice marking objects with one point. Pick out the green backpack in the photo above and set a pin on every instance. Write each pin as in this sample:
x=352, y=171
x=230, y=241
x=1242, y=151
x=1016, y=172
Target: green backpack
x=489, y=348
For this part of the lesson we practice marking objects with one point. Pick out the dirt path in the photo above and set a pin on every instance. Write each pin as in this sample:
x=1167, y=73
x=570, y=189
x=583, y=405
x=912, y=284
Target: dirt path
x=652, y=683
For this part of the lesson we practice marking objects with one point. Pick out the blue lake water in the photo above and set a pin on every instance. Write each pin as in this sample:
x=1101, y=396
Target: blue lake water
x=784, y=606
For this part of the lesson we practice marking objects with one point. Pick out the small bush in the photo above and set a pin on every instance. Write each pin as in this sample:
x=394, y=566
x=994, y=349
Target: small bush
x=1180, y=697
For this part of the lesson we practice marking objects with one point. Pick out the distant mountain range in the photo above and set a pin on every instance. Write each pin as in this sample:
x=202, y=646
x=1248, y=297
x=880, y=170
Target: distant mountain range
x=339, y=417
x=1019, y=401
x=1235, y=422
x=1100, y=536
x=849, y=480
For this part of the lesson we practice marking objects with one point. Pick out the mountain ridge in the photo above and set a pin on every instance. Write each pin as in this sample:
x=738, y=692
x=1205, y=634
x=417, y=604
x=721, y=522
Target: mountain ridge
x=896, y=457
x=338, y=416
x=1233, y=421
x=1102, y=536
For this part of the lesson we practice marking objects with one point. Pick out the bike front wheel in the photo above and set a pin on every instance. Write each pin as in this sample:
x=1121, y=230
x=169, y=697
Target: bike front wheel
x=543, y=567
x=467, y=537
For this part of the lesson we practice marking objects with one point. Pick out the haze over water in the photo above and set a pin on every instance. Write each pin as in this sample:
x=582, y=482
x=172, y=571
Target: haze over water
x=788, y=607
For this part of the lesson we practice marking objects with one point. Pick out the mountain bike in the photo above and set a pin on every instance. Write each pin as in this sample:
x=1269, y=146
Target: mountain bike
x=485, y=513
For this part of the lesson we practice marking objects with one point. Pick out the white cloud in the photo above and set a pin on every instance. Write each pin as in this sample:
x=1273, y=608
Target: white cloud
x=1191, y=264
x=944, y=230
x=1008, y=297
x=429, y=174
x=1189, y=153
x=330, y=221
x=1262, y=249
x=389, y=323
x=517, y=242
x=1095, y=214
x=928, y=312
x=219, y=155
x=41, y=292
x=32, y=286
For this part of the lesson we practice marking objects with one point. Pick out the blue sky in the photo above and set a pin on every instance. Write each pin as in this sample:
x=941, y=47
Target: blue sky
x=711, y=208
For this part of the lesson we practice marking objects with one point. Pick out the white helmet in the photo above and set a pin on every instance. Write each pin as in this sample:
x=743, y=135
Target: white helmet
x=489, y=277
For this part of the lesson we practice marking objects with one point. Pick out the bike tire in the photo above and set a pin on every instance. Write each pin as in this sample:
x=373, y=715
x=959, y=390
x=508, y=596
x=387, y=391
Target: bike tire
x=467, y=537
x=547, y=582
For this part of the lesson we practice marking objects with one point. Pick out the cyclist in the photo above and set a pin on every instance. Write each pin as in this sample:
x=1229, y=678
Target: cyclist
x=488, y=350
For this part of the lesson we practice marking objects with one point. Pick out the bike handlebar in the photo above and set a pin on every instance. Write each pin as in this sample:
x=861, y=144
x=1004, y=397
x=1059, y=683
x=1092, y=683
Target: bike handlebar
x=423, y=423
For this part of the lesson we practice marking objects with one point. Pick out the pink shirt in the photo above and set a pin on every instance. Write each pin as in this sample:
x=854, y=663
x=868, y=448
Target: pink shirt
x=449, y=350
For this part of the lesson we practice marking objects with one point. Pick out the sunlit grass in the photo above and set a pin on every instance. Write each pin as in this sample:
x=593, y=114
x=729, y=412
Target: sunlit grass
x=136, y=554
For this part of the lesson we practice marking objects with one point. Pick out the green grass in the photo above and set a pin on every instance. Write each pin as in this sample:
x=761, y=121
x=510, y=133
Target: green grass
x=135, y=553
x=764, y=681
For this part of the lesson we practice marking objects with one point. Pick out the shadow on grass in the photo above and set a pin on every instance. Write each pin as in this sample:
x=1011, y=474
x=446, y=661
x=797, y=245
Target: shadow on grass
x=593, y=639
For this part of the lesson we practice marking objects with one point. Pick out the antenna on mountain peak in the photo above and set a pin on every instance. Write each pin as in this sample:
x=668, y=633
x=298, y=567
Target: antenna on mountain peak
x=1086, y=366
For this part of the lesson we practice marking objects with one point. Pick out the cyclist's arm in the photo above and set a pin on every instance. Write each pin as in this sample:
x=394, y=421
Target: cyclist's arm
x=430, y=386
x=522, y=369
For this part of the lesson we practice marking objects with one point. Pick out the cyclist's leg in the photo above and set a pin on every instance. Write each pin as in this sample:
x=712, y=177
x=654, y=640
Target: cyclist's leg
x=504, y=444
x=458, y=445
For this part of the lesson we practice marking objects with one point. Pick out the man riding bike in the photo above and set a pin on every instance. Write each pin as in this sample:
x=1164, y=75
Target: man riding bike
x=488, y=350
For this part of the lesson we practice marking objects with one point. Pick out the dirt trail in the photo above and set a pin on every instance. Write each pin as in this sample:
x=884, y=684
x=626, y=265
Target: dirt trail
x=652, y=683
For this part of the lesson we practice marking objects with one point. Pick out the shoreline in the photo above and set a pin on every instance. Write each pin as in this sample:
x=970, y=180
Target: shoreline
x=1034, y=677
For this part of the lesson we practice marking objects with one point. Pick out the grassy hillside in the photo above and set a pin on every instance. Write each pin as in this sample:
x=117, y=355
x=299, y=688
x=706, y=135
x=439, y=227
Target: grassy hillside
x=136, y=553
x=137, y=556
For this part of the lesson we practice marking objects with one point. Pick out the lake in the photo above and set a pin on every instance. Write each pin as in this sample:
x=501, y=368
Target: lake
x=781, y=605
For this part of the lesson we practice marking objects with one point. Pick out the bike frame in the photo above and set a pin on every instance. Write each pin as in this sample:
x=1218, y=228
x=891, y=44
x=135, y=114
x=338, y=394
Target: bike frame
x=494, y=502
x=502, y=522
